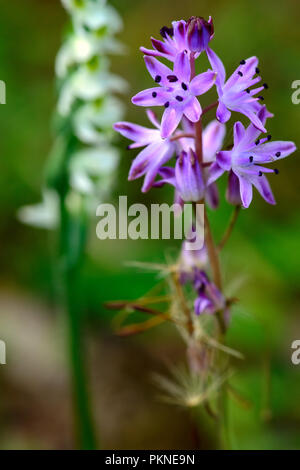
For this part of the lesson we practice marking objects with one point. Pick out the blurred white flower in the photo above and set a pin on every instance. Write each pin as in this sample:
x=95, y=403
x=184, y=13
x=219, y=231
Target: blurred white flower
x=93, y=122
x=94, y=15
x=88, y=84
x=92, y=166
x=44, y=214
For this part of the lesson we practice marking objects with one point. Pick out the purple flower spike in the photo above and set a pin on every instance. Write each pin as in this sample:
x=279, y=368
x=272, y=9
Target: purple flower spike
x=236, y=94
x=199, y=33
x=156, y=153
x=210, y=300
x=176, y=92
x=245, y=160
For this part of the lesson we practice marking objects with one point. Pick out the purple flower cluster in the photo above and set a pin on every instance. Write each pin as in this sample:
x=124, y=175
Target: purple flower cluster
x=200, y=158
x=177, y=89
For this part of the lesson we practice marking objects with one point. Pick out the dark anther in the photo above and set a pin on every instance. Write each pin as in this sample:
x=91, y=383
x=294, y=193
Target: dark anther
x=240, y=73
x=257, y=142
x=165, y=30
x=157, y=78
x=167, y=104
x=265, y=85
x=260, y=173
x=251, y=159
x=154, y=94
x=248, y=90
x=269, y=137
x=172, y=78
x=257, y=70
x=261, y=98
x=184, y=86
x=276, y=171
x=278, y=154
x=179, y=98
x=243, y=62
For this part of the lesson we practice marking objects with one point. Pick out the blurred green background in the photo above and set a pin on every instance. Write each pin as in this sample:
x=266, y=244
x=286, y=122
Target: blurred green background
x=261, y=262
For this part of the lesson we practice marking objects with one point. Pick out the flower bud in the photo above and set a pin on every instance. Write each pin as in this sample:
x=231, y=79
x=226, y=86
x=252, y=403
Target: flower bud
x=189, y=181
x=199, y=33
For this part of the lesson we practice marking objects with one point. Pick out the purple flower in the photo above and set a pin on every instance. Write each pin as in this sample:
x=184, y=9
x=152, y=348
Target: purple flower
x=186, y=177
x=177, y=92
x=209, y=300
x=235, y=94
x=245, y=158
x=156, y=153
x=199, y=33
x=192, y=36
x=212, y=141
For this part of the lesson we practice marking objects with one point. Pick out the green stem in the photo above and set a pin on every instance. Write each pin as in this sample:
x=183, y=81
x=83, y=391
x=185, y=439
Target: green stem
x=72, y=243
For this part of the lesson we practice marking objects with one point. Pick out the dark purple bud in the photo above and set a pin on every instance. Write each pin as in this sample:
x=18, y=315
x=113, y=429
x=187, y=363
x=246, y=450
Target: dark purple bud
x=199, y=33
x=188, y=174
x=233, y=195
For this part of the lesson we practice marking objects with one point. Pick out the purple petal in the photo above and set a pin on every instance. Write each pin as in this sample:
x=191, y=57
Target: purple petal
x=212, y=196
x=189, y=181
x=274, y=151
x=168, y=177
x=153, y=53
x=233, y=194
x=262, y=185
x=182, y=68
x=217, y=66
x=193, y=110
x=139, y=134
x=238, y=133
x=203, y=305
x=215, y=171
x=157, y=69
x=224, y=159
x=150, y=97
x=163, y=47
x=153, y=118
x=170, y=121
x=179, y=28
x=202, y=82
x=223, y=114
x=213, y=136
x=252, y=133
x=245, y=190
x=251, y=115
